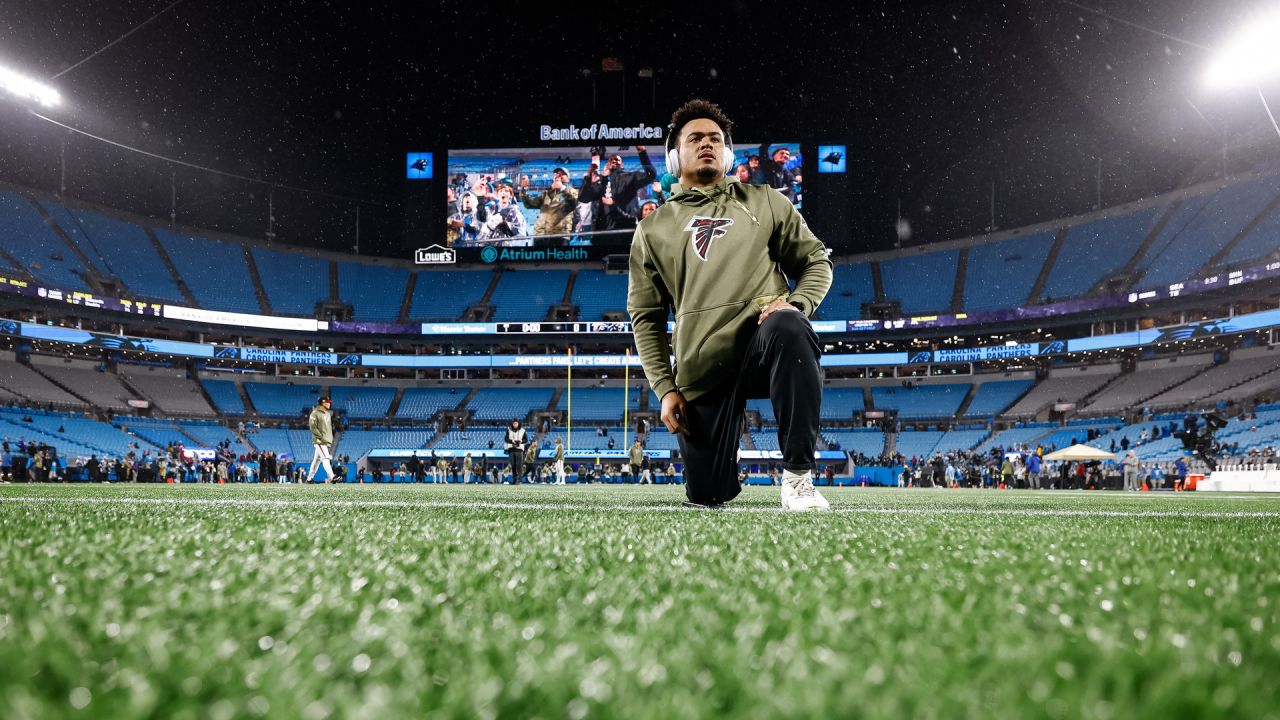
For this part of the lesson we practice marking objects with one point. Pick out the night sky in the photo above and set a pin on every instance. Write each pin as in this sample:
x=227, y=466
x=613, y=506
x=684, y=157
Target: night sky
x=936, y=101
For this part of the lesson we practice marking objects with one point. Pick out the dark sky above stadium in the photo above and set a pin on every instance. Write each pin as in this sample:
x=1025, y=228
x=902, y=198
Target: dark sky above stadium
x=936, y=101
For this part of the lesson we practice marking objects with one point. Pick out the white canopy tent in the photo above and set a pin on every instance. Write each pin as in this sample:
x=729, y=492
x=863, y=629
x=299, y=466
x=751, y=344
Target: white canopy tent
x=1080, y=452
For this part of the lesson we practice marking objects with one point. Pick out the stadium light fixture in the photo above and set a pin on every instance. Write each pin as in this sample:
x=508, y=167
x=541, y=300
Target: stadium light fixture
x=1249, y=58
x=28, y=89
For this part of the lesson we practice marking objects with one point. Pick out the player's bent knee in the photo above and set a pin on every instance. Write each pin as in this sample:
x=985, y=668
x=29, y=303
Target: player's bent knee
x=788, y=325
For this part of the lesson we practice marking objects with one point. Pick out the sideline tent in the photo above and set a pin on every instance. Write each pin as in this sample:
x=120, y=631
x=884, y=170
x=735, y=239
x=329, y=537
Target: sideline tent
x=1080, y=452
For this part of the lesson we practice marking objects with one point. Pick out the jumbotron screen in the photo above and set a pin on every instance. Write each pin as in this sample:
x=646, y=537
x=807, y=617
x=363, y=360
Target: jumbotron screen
x=580, y=196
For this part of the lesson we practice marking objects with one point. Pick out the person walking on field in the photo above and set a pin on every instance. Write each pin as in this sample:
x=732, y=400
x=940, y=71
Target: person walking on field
x=559, y=462
x=321, y=422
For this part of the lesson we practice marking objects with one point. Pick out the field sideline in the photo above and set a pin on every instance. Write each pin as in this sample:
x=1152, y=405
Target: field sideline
x=608, y=601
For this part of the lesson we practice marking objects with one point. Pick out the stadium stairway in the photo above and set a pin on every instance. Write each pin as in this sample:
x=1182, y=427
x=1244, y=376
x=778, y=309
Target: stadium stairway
x=1247, y=379
x=395, y=401
x=890, y=442
x=484, y=305
x=566, y=307
x=1088, y=399
x=244, y=398
x=1220, y=256
x=335, y=292
x=169, y=266
x=957, y=291
x=64, y=388
x=132, y=388
x=1166, y=389
x=466, y=401
x=10, y=261
x=95, y=274
x=877, y=281
x=968, y=398
x=1046, y=270
x=1130, y=268
x=204, y=393
x=258, y=290
x=555, y=399
x=405, y=304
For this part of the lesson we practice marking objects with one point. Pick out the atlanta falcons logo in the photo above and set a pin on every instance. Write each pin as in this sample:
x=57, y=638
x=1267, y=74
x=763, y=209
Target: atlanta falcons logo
x=704, y=230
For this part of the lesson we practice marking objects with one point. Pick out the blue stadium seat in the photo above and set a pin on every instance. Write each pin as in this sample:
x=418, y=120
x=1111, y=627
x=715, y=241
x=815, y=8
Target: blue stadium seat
x=596, y=292
x=360, y=403
x=356, y=443
x=292, y=442
x=424, y=403
x=841, y=403
x=992, y=398
x=921, y=401
x=660, y=439
x=917, y=443
x=281, y=400
x=764, y=406
x=587, y=439
x=597, y=404
x=76, y=435
x=851, y=286
x=214, y=271
x=160, y=434
x=294, y=282
x=1200, y=228
x=505, y=404
x=375, y=292
x=1015, y=438
x=867, y=442
x=1095, y=250
x=1001, y=274
x=444, y=296
x=210, y=435
x=955, y=440
x=766, y=440
x=121, y=249
x=224, y=395
x=26, y=236
x=476, y=438
x=1261, y=242
x=527, y=294
x=921, y=283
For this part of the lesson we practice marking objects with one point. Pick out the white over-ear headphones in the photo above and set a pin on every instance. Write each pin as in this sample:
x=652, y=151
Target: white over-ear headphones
x=673, y=153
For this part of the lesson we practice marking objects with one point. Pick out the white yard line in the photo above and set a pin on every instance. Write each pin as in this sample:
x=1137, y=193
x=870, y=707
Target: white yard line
x=568, y=506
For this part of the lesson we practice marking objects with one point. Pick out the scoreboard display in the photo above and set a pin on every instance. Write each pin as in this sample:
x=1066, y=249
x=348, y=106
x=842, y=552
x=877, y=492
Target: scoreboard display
x=17, y=286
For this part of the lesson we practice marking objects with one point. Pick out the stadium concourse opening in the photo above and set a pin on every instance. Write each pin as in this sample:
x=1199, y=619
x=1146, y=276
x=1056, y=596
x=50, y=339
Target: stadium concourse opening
x=322, y=391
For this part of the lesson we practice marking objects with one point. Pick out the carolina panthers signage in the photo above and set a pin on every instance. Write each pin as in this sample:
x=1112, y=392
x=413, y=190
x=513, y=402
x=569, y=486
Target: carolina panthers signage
x=1152, y=336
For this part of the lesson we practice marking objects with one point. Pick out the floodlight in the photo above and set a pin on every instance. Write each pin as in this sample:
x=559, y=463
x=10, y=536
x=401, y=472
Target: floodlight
x=1250, y=58
x=28, y=89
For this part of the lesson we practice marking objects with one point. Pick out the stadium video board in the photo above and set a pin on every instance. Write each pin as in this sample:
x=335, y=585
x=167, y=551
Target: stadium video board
x=559, y=203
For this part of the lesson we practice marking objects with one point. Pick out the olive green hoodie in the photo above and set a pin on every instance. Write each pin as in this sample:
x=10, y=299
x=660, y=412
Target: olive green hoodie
x=321, y=429
x=717, y=256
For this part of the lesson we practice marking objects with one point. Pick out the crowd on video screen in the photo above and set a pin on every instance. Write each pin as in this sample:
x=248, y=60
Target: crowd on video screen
x=572, y=197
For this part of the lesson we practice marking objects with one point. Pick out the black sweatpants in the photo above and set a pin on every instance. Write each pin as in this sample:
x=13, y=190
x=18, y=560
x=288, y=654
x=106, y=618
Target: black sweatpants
x=517, y=465
x=781, y=364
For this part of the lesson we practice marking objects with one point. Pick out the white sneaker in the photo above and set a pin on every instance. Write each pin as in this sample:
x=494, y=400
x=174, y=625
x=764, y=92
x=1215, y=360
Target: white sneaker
x=799, y=495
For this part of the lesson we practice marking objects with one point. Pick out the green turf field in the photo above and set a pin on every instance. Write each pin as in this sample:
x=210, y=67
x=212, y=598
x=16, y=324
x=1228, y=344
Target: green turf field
x=404, y=602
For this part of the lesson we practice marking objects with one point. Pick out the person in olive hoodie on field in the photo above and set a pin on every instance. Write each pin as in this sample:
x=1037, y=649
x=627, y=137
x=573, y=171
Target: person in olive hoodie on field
x=720, y=254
